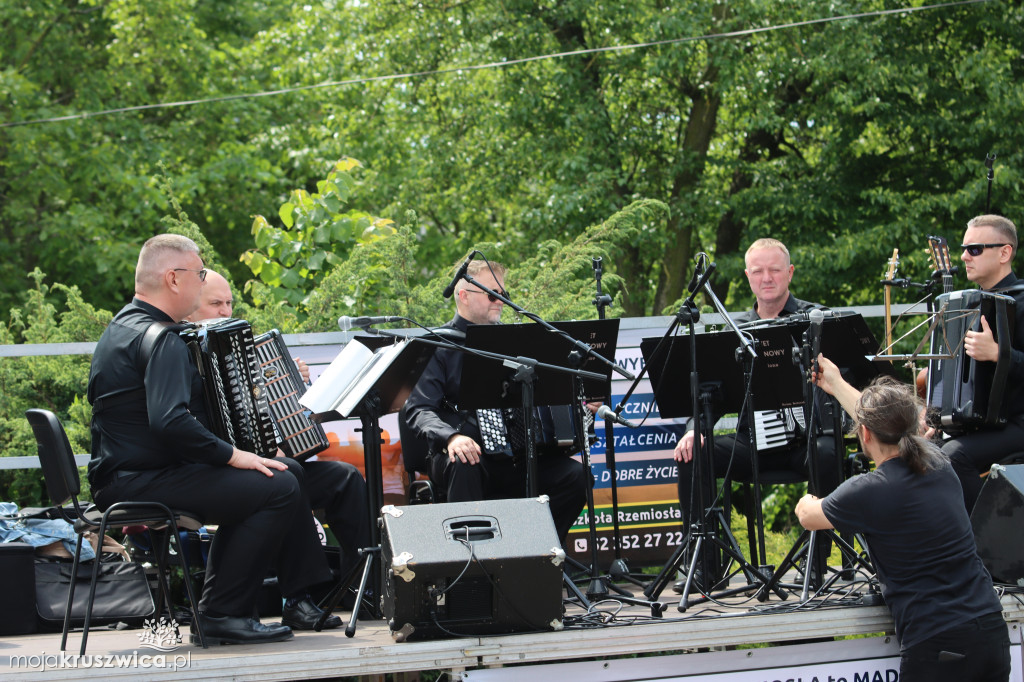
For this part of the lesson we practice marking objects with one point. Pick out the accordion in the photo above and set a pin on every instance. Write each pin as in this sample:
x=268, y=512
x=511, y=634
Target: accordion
x=501, y=430
x=778, y=428
x=252, y=387
x=967, y=394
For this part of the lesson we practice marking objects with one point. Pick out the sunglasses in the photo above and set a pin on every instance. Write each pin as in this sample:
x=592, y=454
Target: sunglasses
x=201, y=273
x=976, y=249
x=490, y=297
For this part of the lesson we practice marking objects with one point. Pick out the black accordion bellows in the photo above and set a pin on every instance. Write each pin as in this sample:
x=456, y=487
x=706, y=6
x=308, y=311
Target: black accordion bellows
x=252, y=386
x=965, y=393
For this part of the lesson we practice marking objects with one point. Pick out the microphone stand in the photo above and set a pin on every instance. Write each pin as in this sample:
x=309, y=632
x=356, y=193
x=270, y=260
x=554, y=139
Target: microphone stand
x=618, y=570
x=806, y=544
x=989, y=158
x=699, y=533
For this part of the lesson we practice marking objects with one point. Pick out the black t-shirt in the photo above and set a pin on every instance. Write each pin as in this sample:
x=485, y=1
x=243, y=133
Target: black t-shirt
x=920, y=540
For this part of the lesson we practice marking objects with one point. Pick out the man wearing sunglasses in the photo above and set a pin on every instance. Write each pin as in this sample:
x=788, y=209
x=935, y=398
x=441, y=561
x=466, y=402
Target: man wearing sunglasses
x=148, y=446
x=456, y=459
x=989, y=246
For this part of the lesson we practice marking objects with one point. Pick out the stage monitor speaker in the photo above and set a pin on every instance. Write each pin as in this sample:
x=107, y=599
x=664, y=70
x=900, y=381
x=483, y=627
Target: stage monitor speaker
x=471, y=568
x=998, y=522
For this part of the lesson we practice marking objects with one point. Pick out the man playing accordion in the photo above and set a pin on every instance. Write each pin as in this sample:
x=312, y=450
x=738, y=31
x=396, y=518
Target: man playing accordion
x=989, y=246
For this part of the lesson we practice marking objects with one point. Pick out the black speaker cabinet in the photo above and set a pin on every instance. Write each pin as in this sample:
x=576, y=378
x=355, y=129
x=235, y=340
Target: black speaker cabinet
x=998, y=521
x=469, y=568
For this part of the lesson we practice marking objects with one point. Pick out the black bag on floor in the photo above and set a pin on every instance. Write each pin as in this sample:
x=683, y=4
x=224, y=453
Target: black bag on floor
x=122, y=594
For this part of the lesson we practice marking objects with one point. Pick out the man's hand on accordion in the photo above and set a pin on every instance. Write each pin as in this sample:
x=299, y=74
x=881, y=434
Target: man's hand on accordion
x=240, y=459
x=981, y=345
x=463, y=447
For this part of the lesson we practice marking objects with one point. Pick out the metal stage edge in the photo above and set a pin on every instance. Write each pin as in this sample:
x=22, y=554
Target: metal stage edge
x=331, y=654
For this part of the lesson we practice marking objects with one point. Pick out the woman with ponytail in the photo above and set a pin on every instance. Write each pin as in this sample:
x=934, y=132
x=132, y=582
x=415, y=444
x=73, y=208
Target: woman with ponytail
x=910, y=511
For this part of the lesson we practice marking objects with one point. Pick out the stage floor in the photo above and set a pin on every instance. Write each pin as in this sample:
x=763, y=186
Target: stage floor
x=610, y=630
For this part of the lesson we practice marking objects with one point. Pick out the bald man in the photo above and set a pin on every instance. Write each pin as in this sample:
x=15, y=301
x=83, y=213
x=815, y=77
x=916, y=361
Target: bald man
x=335, y=487
x=147, y=445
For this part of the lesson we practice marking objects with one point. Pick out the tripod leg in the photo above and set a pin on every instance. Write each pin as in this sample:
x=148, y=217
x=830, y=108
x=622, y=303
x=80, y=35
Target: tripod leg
x=660, y=582
x=575, y=591
x=685, y=597
x=334, y=597
x=369, y=557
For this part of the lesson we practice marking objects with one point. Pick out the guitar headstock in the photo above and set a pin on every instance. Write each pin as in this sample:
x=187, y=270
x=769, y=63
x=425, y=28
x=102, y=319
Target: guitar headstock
x=894, y=263
x=938, y=253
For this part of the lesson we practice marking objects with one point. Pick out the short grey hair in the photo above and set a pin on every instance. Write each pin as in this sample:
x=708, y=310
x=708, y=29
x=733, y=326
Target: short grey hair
x=154, y=255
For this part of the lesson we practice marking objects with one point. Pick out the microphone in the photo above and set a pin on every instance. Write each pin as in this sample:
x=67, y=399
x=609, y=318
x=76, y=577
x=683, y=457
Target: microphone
x=816, y=317
x=450, y=289
x=346, y=322
x=605, y=412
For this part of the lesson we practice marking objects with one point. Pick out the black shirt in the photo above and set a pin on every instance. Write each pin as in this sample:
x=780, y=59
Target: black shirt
x=920, y=540
x=431, y=409
x=156, y=431
x=793, y=306
x=1011, y=286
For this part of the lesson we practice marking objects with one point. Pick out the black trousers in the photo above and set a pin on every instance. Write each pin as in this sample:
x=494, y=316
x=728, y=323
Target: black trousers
x=973, y=453
x=560, y=477
x=339, y=490
x=976, y=651
x=732, y=459
x=264, y=523
x=739, y=467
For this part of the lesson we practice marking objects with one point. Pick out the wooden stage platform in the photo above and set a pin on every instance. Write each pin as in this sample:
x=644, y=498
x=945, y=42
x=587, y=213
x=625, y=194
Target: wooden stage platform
x=672, y=643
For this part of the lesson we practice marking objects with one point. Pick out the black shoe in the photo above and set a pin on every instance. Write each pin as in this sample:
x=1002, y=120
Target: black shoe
x=238, y=630
x=303, y=615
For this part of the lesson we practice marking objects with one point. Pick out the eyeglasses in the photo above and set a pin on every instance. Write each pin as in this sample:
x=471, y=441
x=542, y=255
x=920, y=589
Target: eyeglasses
x=201, y=273
x=490, y=297
x=976, y=249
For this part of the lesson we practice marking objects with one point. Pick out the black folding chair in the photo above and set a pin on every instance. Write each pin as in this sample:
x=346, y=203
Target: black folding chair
x=62, y=484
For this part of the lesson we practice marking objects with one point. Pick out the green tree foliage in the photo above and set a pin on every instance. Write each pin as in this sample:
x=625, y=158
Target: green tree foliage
x=318, y=234
x=52, y=382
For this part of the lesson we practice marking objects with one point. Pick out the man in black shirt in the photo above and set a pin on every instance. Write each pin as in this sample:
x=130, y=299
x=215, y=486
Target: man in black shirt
x=453, y=436
x=989, y=246
x=147, y=445
x=769, y=273
x=335, y=487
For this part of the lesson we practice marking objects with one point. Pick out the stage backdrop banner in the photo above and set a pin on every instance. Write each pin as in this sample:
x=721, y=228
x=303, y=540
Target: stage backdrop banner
x=649, y=517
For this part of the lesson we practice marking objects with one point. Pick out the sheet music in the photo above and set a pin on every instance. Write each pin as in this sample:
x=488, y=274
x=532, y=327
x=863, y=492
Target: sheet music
x=349, y=376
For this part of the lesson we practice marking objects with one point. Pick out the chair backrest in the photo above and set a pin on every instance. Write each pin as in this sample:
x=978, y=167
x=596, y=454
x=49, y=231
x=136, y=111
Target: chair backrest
x=55, y=456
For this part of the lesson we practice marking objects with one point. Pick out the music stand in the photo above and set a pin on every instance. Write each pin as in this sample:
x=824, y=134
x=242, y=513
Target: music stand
x=591, y=377
x=672, y=369
x=531, y=382
x=395, y=368
x=545, y=346
x=775, y=383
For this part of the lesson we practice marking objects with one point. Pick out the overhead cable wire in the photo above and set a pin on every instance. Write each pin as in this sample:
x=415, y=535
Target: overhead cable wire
x=489, y=65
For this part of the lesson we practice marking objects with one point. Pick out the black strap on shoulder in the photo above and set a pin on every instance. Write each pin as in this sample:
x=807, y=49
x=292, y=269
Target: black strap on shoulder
x=150, y=338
